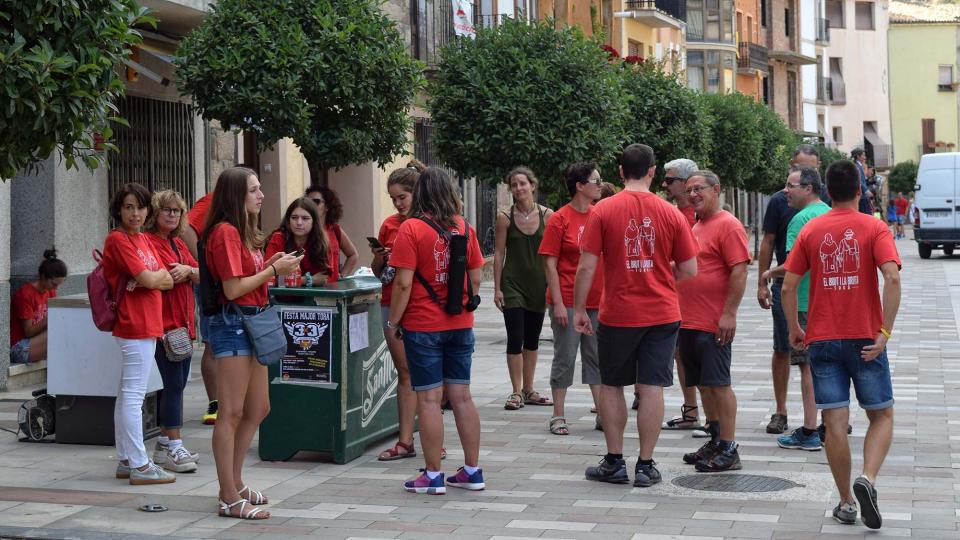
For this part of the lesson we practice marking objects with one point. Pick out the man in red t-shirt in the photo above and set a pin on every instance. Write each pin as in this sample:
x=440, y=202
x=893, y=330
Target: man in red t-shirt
x=676, y=173
x=847, y=331
x=901, y=204
x=708, y=304
x=647, y=246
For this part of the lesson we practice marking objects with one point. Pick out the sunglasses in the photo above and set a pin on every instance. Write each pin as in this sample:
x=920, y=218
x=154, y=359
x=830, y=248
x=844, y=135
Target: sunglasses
x=318, y=202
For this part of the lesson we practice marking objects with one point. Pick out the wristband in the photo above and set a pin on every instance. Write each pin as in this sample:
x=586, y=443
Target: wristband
x=309, y=279
x=885, y=332
x=275, y=274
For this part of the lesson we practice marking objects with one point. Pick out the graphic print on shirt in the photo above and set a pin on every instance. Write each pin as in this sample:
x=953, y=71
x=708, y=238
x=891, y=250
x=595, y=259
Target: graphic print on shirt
x=838, y=259
x=257, y=260
x=150, y=261
x=441, y=256
x=580, y=235
x=40, y=314
x=639, y=241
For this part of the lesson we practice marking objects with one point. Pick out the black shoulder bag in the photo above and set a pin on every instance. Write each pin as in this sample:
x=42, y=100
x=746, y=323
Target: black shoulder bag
x=457, y=272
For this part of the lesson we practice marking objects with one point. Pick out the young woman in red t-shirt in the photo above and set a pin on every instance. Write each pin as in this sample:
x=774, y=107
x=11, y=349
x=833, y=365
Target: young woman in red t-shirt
x=300, y=229
x=400, y=186
x=331, y=210
x=232, y=245
x=164, y=228
x=28, y=311
x=438, y=345
x=130, y=261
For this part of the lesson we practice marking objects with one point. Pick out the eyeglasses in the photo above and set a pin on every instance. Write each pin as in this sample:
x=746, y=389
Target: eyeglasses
x=598, y=182
x=172, y=211
x=671, y=179
x=791, y=185
x=695, y=189
x=318, y=202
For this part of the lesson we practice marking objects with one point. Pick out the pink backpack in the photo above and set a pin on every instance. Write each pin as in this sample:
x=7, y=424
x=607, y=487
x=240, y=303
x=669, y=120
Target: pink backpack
x=103, y=304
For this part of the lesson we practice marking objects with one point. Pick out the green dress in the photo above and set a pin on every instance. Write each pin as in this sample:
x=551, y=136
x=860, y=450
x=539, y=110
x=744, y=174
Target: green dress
x=523, y=281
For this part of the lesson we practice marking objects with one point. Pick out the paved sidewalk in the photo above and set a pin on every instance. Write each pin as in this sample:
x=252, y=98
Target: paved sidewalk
x=535, y=485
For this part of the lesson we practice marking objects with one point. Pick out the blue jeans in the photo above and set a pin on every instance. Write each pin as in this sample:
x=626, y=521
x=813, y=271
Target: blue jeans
x=174, y=375
x=227, y=335
x=834, y=363
x=437, y=358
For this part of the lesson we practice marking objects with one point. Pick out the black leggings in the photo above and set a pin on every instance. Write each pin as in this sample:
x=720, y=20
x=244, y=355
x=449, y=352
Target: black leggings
x=523, y=329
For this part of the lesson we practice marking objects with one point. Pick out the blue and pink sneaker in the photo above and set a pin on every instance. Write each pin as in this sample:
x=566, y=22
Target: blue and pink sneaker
x=423, y=484
x=473, y=482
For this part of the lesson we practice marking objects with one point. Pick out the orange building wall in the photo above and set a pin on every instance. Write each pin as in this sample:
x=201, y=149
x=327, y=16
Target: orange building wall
x=749, y=30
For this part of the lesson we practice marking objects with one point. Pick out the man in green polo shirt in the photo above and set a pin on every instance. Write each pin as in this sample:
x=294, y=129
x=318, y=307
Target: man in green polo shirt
x=803, y=193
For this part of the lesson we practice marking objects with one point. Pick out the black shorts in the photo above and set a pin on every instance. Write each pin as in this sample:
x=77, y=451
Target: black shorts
x=705, y=362
x=637, y=355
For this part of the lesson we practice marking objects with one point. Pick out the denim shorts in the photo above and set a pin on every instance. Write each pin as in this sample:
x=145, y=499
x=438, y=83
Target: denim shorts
x=227, y=336
x=834, y=363
x=781, y=334
x=437, y=358
x=20, y=352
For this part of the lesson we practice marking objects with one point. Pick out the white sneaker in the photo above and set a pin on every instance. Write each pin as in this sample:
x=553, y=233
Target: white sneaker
x=160, y=454
x=179, y=460
x=153, y=475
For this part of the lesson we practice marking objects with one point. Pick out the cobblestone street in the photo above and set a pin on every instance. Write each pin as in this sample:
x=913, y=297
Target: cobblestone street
x=535, y=482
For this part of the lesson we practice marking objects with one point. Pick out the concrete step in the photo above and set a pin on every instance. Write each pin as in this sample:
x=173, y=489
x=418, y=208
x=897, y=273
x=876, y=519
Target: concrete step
x=31, y=375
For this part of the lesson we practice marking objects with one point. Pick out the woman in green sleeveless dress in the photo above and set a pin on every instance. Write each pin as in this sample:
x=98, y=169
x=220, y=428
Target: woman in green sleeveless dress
x=520, y=284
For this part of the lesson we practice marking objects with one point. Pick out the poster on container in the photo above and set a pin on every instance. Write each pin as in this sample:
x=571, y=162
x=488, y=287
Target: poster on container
x=463, y=19
x=309, y=345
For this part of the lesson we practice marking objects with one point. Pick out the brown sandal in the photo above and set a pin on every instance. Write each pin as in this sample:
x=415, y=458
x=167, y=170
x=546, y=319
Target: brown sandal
x=534, y=398
x=514, y=402
x=393, y=454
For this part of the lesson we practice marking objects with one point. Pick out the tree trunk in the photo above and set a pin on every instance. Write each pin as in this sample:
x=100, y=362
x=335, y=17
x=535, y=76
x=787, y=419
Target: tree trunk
x=318, y=173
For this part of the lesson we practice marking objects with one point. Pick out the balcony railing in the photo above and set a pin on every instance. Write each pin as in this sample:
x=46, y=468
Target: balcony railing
x=752, y=56
x=824, y=90
x=674, y=8
x=431, y=27
x=838, y=92
x=823, y=31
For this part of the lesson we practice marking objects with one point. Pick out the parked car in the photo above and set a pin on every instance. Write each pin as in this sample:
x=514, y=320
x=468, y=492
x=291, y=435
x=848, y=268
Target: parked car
x=937, y=203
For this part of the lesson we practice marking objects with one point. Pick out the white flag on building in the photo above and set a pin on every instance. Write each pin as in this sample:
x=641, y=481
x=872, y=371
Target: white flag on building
x=463, y=19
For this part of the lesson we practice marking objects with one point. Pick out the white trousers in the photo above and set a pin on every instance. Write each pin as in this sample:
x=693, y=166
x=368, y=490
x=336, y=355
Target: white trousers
x=128, y=411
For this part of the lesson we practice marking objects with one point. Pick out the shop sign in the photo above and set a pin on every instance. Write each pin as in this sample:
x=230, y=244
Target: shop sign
x=309, y=344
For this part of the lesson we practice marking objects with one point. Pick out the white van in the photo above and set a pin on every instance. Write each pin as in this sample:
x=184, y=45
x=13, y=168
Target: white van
x=937, y=203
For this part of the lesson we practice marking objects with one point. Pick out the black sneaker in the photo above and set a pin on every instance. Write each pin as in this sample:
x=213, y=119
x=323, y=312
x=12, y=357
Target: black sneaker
x=721, y=460
x=845, y=513
x=778, y=423
x=866, y=495
x=605, y=472
x=706, y=451
x=646, y=475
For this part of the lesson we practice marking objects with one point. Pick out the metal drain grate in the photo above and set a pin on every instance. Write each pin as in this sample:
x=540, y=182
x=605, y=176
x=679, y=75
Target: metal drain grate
x=735, y=483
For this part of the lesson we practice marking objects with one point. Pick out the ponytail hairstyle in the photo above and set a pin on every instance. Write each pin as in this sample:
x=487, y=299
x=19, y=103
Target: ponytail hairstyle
x=52, y=267
x=435, y=197
x=229, y=205
x=316, y=243
x=407, y=176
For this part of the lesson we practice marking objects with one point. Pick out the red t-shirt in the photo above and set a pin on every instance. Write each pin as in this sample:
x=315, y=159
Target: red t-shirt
x=277, y=244
x=638, y=234
x=561, y=239
x=843, y=249
x=178, y=303
x=723, y=245
x=333, y=251
x=419, y=247
x=689, y=213
x=28, y=304
x=228, y=258
x=387, y=236
x=140, y=314
x=902, y=203
x=197, y=216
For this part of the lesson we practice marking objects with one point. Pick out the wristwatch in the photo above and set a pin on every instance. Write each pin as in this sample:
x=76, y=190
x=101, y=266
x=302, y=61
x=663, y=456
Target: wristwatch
x=193, y=271
x=393, y=326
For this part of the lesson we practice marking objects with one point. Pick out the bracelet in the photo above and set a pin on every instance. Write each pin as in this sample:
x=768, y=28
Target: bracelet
x=275, y=274
x=885, y=332
x=309, y=279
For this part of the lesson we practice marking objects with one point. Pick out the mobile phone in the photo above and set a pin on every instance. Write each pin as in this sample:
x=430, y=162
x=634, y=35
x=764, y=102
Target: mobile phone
x=298, y=252
x=374, y=243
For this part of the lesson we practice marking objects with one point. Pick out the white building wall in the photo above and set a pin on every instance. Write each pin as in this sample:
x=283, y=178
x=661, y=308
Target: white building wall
x=808, y=73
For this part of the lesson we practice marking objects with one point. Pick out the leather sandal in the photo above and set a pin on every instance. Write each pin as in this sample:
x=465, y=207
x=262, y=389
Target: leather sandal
x=686, y=420
x=399, y=451
x=253, y=497
x=514, y=402
x=558, y=426
x=253, y=514
x=534, y=398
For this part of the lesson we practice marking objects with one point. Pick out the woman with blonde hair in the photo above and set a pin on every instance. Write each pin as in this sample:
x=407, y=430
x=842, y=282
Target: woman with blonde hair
x=164, y=229
x=232, y=251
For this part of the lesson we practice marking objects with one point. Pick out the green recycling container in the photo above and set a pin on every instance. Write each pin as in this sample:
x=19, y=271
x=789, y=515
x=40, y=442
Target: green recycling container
x=335, y=391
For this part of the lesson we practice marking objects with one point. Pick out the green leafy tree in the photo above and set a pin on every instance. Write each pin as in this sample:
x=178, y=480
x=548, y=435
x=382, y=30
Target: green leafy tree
x=333, y=75
x=526, y=94
x=903, y=177
x=666, y=115
x=57, y=71
x=737, y=138
x=777, y=143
